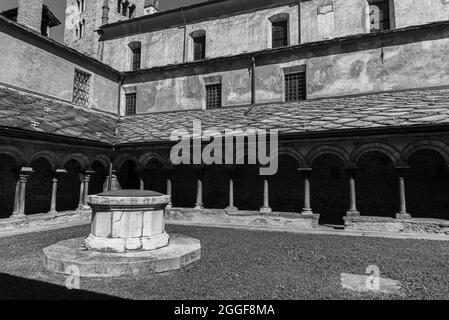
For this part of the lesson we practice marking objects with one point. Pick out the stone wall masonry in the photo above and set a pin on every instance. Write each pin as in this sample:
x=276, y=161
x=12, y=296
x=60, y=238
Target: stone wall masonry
x=27, y=65
x=30, y=13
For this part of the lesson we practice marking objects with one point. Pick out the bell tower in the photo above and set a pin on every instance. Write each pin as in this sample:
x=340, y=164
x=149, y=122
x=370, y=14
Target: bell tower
x=84, y=17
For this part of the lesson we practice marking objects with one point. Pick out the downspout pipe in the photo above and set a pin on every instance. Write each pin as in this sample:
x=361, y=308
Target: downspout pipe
x=184, y=53
x=113, y=151
x=299, y=22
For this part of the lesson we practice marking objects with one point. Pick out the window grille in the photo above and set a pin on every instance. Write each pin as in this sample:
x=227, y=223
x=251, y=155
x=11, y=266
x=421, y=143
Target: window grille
x=81, y=85
x=295, y=86
x=130, y=104
x=213, y=96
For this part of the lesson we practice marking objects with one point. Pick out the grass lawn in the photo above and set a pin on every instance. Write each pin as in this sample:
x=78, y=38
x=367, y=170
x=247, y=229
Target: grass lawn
x=240, y=264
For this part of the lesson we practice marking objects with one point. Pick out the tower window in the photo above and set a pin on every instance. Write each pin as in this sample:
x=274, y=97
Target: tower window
x=80, y=34
x=213, y=96
x=130, y=104
x=379, y=15
x=132, y=9
x=199, y=45
x=295, y=86
x=119, y=6
x=81, y=88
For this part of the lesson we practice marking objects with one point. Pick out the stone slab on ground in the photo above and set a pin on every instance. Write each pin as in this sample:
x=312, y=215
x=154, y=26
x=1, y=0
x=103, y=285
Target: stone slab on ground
x=385, y=224
x=358, y=283
x=180, y=252
x=244, y=218
x=44, y=220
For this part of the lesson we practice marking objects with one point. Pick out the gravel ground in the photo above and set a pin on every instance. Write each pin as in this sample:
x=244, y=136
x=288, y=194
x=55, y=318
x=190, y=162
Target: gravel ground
x=240, y=264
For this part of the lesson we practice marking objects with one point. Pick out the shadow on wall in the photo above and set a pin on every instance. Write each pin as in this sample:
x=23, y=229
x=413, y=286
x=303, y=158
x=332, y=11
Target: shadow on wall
x=13, y=288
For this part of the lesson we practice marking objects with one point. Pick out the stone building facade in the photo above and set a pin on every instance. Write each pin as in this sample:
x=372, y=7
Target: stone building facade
x=357, y=90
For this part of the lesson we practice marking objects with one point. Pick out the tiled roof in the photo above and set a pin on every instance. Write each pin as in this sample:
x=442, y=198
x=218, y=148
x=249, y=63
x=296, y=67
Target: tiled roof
x=35, y=113
x=23, y=110
x=392, y=109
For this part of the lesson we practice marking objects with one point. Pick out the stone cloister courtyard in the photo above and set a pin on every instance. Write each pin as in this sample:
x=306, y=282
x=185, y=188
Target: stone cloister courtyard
x=240, y=264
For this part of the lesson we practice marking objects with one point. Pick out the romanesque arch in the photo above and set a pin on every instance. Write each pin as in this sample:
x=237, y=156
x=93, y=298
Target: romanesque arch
x=383, y=148
x=47, y=155
x=82, y=160
x=39, y=186
x=69, y=183
x=435, y=145
x=329, y=194
x=336, y=151
x=9, y=172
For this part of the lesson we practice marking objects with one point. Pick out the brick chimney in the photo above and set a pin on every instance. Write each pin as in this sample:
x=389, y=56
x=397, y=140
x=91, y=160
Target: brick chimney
x=30, y=13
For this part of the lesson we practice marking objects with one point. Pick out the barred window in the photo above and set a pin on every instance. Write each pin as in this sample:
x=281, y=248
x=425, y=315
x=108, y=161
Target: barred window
x=199, y=48
x=280, y=34
x=213, y=96
x=130, y=104
x=81, y=88
x=136, y=58
x=295, y=86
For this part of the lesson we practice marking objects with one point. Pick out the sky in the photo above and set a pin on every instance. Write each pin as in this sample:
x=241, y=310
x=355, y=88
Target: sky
x=58, y=9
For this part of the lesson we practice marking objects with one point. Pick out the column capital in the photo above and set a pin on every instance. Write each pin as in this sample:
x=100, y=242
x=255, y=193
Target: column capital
x=26, y=171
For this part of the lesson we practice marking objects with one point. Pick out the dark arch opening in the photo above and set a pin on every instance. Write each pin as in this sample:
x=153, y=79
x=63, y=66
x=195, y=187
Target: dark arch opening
x=248, y=188
x=184, y=186
x=128, y=177
x=39, y=187
x=427, y=185
x=216, y=187
x=69, y=187
x=154, y=176
x=9, y=174
x=285, y=187
x=377, y=185
x=329, y=189
x=98, y=178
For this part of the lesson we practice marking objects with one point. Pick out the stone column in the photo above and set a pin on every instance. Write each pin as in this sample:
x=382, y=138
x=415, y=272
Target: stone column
x=199, y=188
x=54, y=190
x=306, y=172
x=266, y=205
x=352, y=212
x=402, y=214
x=15, y=211
x=81, y=198
x=25, y=174
x=87, y=178
x=140, y=173
x=114, y=182
x=231, y=208
x=169, y=187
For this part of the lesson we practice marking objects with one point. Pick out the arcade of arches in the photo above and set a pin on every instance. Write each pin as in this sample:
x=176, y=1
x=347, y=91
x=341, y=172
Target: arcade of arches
x=370, y=180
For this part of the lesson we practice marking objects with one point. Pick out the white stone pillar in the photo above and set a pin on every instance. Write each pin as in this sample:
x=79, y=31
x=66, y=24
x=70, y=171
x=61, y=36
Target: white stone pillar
x=352, y=212
x=402, y=214
x=231, y=207
x=199, y=189
x=307, y=210
x=25, y=174
x=266, y=206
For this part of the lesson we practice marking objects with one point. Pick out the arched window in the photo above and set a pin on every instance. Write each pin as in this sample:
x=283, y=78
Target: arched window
x=279, y=30
x=81, y=5
x=119, y=6
x=82, y=26
x=380, y=15
x=125, y=8
x=132, y=9
x=199, y=44
x=136, y=53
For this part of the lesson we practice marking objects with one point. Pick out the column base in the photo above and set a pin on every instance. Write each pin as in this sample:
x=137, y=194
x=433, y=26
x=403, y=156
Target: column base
x=403, y=216
x=199, y=207
x=265, y=210
x=18, y=216
x=231, y=209
x=169, y=206
x=52, y=212
x=307, y=212
x=353, y=213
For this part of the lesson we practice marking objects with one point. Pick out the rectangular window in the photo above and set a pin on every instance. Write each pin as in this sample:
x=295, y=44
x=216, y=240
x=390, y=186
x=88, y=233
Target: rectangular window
x=199, y=48
x=379, y=15
x=130, y=104
x=81, y=88
x=213, y=96
x=295, y=86
x=136, y=59
x=280, y=34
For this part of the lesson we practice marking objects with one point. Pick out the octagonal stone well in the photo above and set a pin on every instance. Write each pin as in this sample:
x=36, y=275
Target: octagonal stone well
x=127, y=220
